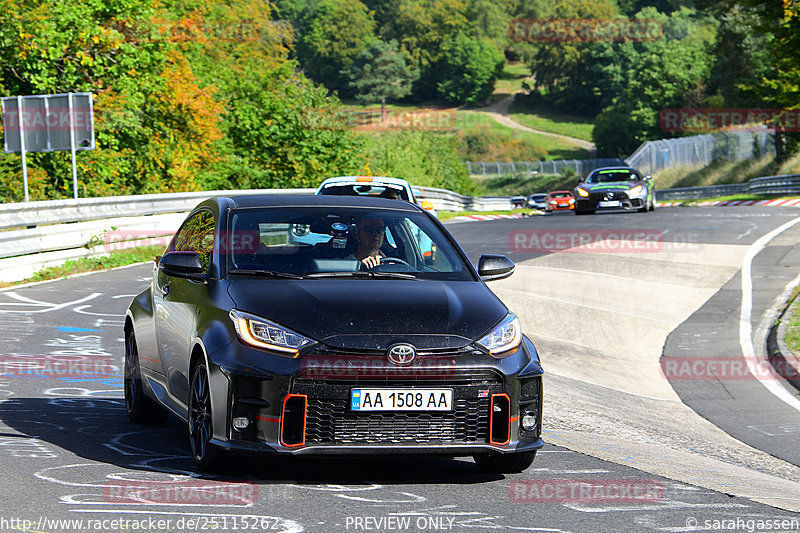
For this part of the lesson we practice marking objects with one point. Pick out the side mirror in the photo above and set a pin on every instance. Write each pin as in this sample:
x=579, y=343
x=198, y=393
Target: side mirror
x=492, y=267
x=182, y=265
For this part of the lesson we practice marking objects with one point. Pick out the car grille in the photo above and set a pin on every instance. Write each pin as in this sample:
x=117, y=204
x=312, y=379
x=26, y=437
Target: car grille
x=607, y=195
x=329, y=420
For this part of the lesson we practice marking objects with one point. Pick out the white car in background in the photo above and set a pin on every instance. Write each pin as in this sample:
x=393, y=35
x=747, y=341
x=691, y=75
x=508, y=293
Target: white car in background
x=382, y=187
x=376, y=187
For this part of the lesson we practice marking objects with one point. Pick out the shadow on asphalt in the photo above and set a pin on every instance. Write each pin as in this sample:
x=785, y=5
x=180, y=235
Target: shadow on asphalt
x=99, y=430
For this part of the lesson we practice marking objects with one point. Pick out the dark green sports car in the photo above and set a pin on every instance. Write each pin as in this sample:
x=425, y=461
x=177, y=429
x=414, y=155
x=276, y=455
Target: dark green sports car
x=615, y=188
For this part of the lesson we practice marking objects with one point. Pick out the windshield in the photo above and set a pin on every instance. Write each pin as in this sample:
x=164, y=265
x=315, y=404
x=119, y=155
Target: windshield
x=560, y=195
x=609, y=176
x=394, y=192
x=320, y=241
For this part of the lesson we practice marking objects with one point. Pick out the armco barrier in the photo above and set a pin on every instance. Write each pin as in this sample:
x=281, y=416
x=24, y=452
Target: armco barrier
x=787, y=184
x=34, y=235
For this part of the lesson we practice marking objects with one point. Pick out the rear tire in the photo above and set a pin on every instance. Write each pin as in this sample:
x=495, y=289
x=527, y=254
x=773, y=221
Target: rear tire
x=140, y=408
x=207, y=456
x=512, y=463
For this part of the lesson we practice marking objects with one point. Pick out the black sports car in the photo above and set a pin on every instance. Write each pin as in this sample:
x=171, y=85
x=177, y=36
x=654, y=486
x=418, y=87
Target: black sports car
x=615, y=188
x=266, y=341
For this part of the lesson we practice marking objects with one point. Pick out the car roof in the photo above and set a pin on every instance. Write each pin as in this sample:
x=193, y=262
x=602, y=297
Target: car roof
x=310, y=200
x=554, y=192
x=366, y=179
x=615, y=168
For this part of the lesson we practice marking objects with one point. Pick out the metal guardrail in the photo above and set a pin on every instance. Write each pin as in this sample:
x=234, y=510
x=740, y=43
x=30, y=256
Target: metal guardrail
x=39, y=234
x=786, y=184
x=28, y=214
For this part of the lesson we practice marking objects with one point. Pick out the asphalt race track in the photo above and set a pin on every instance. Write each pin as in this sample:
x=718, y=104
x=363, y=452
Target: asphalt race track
x=610, y=300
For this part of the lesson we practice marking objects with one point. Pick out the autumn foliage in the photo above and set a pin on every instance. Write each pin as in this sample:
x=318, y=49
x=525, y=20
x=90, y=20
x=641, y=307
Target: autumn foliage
x=189, y=95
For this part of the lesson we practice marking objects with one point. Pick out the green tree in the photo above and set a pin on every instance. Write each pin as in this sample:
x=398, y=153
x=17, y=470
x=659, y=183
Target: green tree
x=332, y=33
x=490, y=20
x=563, y=71
x=779, y=24
x=428, y=159
x=468, y=70
x=380, y=72
x=189, y=95
x=423, y=27
x=673, y=72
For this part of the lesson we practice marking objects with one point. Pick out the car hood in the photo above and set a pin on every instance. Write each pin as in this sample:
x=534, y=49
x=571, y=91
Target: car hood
x=615, y=185
x=373, y=314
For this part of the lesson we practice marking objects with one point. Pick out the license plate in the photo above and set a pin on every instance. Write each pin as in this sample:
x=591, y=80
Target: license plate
x=613, y=203
x=401, y=399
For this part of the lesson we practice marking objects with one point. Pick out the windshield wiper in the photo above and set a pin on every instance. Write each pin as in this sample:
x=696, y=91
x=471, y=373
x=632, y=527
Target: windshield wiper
x=362, y=274
x=266, y=273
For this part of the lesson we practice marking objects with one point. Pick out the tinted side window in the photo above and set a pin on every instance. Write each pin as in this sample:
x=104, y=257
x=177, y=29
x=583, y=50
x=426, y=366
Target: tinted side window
x=197, y=235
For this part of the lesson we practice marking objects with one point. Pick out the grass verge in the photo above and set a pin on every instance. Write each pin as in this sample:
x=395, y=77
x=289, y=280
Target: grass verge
x=719, y=172
x=447, y=215
x=519, y=145
x=792, y=334
x=539, y=118
x=117, y=258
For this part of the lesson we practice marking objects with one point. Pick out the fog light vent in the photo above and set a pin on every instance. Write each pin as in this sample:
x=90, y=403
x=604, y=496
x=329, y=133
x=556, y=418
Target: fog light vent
x=500, y=419
x=293, y=420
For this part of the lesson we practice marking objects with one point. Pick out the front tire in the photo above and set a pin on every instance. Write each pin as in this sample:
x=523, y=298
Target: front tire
x=512, y=463
x=207, y=456
x=140, y=408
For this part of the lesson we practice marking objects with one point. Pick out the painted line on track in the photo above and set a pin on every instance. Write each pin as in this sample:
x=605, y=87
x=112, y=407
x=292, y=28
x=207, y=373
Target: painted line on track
x=746, y=311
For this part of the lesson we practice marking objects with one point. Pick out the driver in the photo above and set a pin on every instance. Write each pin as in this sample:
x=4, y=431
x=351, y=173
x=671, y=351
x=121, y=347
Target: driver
x=369, y=238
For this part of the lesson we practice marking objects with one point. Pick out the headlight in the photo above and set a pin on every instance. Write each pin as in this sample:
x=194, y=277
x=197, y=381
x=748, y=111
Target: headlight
x=572, y=200
x=553, y=202
x=262, y=333
x=636, y=191
x=582, y=192
x=506, y=336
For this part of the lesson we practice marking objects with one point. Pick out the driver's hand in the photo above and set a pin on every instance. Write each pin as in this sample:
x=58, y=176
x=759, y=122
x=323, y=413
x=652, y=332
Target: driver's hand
x=371, y=261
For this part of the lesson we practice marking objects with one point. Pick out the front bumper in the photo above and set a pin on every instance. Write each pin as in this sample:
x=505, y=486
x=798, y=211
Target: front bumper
x=594, y=201
x=297, y=410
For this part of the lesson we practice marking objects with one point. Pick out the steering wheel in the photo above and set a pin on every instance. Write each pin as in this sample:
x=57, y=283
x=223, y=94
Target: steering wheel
x=394, y=261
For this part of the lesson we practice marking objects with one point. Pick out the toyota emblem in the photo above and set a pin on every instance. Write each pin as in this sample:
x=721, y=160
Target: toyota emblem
x=402, y=354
